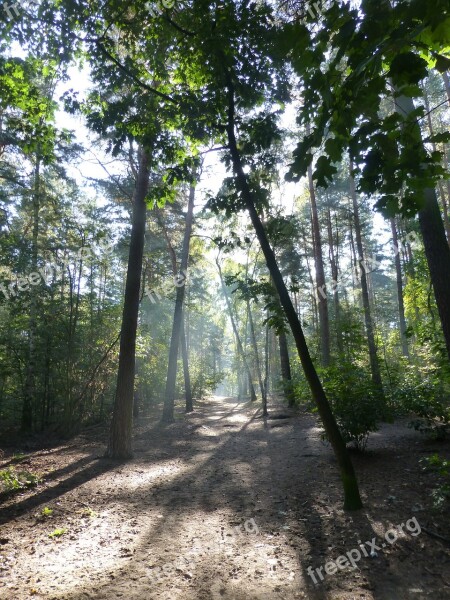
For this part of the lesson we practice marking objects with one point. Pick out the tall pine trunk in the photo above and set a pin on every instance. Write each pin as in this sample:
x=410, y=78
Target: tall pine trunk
x=183, y=341
x=373, y=356
x=29, y=400
x=120, y=439
x=257, y=361
x=401, y=304
x=187, y=376
x=169, y=400
x=334, y=275
x=236, y=333
x=324, y=324
x=352, y=500
x=285, y=366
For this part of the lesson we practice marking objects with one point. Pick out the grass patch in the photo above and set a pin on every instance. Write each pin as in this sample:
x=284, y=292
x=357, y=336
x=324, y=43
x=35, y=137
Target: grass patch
x=57, y=533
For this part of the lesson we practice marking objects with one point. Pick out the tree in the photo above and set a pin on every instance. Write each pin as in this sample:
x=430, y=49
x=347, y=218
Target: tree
x=236, y=331
x=352, y=500
x=179, y=277
x=399, y=279
x=374, y=364
x=388, y=152
x=324, y=325
x=120, y=441
x=169, y=400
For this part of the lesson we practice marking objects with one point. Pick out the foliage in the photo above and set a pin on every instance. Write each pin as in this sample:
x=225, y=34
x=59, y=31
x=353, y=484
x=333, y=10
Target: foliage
x=356, y=406
x=376, y=53
x=12, y=480
x=441, y=467
x=57, y=533
x=204, y=384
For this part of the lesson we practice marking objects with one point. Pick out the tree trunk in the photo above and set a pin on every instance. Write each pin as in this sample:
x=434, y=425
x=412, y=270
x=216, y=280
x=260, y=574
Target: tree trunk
x=169, y=400
x=285, y=366
x=352, y=500
x=315, y=299
x=257, y=361
x=437, y=250
x=324, y=324
x=120, y=442
x=440, y=185
x=184, y=350
x=401, y=305
x=335, y=275
x=373, y=357
x=266, y=369
x=29, y=399
x=446, y=84
x=236, y=333
x=187, y=377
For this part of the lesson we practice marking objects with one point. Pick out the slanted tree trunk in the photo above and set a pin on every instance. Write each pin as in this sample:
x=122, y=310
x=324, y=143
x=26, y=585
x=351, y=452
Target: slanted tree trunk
x=373, y=356
x=169, y=400
x=120, y=442
x=445, y=201
x=440, y=185
x=437, y=250
x=236, y=333
x=401, y=304
x=352, y=499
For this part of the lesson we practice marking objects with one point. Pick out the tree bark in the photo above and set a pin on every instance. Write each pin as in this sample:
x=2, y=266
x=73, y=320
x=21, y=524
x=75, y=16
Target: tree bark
x=401, y=304
x=373, y=356
x=446, y=85
x=183, y=341
x=169, y=400
x=187, y=377
x=257, y=361
x=285, y=366
x=29, y=399
x=440, y=185
x=352, y=500
x=335, y=275
x=321, y=289
x=120, y=440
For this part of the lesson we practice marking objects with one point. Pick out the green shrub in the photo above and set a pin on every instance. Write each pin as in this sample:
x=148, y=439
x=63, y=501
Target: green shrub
x=11, y=480
x=356, y=406
x=205, y=384
x=424, y=394
x=440, y=466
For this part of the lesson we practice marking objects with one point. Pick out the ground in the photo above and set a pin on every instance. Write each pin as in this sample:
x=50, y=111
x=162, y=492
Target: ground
x=223, y=504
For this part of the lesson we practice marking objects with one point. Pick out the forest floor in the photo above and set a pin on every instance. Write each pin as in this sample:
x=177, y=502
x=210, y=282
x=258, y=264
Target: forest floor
x=223, y=504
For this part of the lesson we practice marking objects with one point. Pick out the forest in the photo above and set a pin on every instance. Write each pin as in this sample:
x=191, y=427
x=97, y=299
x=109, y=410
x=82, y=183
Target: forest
x=225, y=299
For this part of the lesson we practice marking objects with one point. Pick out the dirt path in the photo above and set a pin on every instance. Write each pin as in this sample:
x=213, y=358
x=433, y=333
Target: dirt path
x=222, y=505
